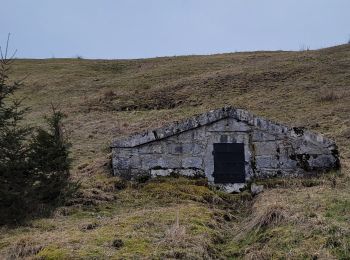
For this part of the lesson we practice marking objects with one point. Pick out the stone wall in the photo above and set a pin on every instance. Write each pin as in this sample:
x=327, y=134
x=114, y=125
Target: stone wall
x=186, y=147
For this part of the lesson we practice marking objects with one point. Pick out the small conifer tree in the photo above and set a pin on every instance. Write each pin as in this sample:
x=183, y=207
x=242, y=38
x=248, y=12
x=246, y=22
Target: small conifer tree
x=49, y=158
x=14, y=168
x=34, y=166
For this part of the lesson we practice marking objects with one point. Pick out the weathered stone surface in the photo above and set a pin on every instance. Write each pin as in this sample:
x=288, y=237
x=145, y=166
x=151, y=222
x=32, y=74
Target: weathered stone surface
x=256, y=189
x=150, y=162
x=287, y=163
x=233, y=188
x=161, y=172
x=310, y=148
x=322, y=162
x=266, y=162
x=155, y=148
x=192, y=162
x=238, y=138
x=265, y=148
x=186, y=147
x=229, y=125
x=260, y=136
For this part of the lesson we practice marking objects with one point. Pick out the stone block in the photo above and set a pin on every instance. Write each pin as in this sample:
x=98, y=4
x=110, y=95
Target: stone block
x=123, y=152
x=243, y=115
x=247, y=153
x=322, y=162
x=276, y=128
x=192, y=162
x=199, y=134
x=260, y=136
x=256, y=189
x=285, y=149
x=186, y=137
x=265, y=148
x=183, y=172
x=228, y=125
x=121, y=163
x=233, y=188
x=266, y=162
x=161, y=172
x=262, y=173
x=135, y=140
x=184, y=149
x=164, y=161
x=149, y=162
x=286, y=163
x=152, y=148
x=309, y=148
x=239, y=138
x=191, y=172
x=126, y=158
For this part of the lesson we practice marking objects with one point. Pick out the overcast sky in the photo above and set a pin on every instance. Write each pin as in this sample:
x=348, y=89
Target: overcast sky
x=149, y=28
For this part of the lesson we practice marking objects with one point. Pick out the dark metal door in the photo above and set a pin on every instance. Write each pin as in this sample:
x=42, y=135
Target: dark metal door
x=229, y=163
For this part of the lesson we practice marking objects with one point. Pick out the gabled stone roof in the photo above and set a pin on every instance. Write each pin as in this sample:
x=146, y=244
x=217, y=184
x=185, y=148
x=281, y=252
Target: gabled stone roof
x=214, y=116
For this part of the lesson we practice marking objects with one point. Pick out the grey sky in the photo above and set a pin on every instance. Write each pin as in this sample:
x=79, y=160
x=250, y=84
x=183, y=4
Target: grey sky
x=149, y=28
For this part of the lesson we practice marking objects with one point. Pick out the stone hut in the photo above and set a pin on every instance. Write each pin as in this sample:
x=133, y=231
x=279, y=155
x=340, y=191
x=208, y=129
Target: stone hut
x=227, y=146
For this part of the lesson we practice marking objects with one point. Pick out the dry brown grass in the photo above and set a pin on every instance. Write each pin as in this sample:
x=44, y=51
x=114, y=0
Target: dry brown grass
x=293, y=219
x=106, y=99
x=176, y=235
x=24, y=248
x=329, y=96
x=270, y=216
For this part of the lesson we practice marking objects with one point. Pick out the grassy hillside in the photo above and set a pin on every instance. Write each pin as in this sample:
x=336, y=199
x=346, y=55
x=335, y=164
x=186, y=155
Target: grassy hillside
x=179, y=218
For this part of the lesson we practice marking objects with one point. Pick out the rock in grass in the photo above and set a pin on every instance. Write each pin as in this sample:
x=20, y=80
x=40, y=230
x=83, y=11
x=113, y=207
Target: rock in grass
x=256, y=189
x=117, y=243
x=89, y=226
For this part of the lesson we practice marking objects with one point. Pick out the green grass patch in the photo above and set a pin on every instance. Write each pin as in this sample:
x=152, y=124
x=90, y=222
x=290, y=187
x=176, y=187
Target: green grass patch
x=339, y=210
x=53, y=253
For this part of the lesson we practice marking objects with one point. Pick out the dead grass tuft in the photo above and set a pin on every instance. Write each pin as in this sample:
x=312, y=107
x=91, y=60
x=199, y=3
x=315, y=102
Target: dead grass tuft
x=270, y=216
x=109, y=95
x=258, y=255
x=23, y=248
x=176, y=234
x=328, y=96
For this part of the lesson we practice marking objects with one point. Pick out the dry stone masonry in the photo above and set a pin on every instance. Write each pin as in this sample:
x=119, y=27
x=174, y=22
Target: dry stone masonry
x=228, y=146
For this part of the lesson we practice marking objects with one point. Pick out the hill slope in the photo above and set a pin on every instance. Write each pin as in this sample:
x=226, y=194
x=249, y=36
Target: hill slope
x=184, y=218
